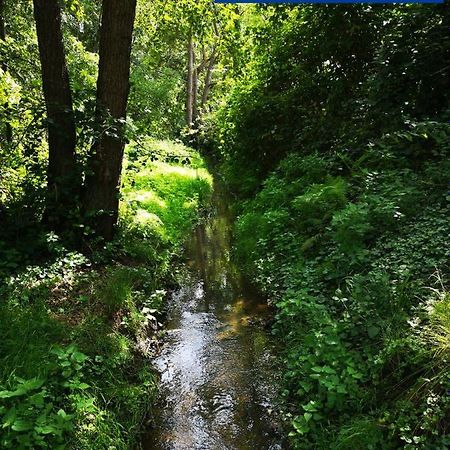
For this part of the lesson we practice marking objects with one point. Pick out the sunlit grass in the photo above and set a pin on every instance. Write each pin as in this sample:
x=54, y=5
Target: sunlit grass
x=437, y=334
x=162, y=198
x=148, y=199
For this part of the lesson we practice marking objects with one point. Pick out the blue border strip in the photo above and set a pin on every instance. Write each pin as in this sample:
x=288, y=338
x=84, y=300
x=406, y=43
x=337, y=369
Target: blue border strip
x=296, y=2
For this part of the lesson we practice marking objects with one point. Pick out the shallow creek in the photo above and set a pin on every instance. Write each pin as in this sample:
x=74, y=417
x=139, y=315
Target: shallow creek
x=217, y=366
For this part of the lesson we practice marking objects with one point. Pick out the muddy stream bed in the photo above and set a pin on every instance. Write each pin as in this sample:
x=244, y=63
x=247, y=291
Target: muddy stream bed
x=217, y=366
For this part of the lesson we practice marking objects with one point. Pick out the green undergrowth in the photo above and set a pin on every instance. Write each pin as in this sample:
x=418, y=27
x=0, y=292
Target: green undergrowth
x=337, y=150
x=73, y=372
x=355, y=261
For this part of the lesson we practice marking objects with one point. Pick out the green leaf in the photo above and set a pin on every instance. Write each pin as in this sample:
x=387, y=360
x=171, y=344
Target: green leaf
x=66, y=373
x=24, y=388
x=22, y=425
x=372, y=331
x=310, y=407
x=79, y=357
x=305, y=385
x=300, y=425
x=37, y=400
x=46, y=429
x=9, y=418
x=6, y=394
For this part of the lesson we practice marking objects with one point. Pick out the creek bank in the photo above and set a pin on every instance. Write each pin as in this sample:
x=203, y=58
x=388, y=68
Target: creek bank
x=72, y=372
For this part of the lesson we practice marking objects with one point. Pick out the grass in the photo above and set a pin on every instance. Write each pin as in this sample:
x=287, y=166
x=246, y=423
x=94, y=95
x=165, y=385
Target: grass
x=362, y=434
x=72, y=374
x=438, y=332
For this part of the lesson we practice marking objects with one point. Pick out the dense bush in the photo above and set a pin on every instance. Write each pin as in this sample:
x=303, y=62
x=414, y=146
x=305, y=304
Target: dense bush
x=347, y=278
x=338, y=151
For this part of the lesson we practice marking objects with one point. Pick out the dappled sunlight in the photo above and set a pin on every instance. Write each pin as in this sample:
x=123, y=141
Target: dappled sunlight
x=147, y=199
x=144, y=218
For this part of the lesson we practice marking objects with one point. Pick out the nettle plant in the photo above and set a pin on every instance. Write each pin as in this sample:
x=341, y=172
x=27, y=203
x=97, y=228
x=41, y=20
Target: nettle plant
x=31, y=413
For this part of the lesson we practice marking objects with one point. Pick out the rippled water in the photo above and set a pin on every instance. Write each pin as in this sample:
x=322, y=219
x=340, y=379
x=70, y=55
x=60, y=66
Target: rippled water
x=218, y=377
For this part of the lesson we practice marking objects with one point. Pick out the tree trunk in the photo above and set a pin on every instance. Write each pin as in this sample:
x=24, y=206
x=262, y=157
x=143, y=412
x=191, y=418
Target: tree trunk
x=194, y=94
x=8, y=129
x=208, y=78
x=101, y=199
x=63, y=182
x=191, y=84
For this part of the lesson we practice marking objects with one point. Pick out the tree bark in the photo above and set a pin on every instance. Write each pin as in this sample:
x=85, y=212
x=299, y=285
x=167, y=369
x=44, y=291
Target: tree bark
x=194, y=93
x=8, y=128
x=101, y=199
x=208, y=78
x=190, y=86
x=63, y=182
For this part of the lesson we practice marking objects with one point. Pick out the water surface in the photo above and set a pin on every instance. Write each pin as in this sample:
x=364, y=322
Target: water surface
x=217, y=367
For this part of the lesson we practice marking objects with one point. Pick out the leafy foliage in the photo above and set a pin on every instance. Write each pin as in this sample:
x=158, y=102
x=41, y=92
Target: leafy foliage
x=72, y=370
x=340, y=161
x=336, y=148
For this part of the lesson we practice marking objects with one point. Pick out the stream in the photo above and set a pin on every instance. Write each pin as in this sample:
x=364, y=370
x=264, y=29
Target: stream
x=218, y=376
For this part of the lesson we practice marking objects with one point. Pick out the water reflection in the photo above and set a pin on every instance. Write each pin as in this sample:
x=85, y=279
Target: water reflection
x=217, y=369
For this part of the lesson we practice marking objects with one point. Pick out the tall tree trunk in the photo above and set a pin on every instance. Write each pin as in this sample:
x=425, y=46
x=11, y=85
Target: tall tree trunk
x=63, y=181
x=208, y=78
x=191, y=86
x=194, y=93
x=8, y=128
x=101, y=199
